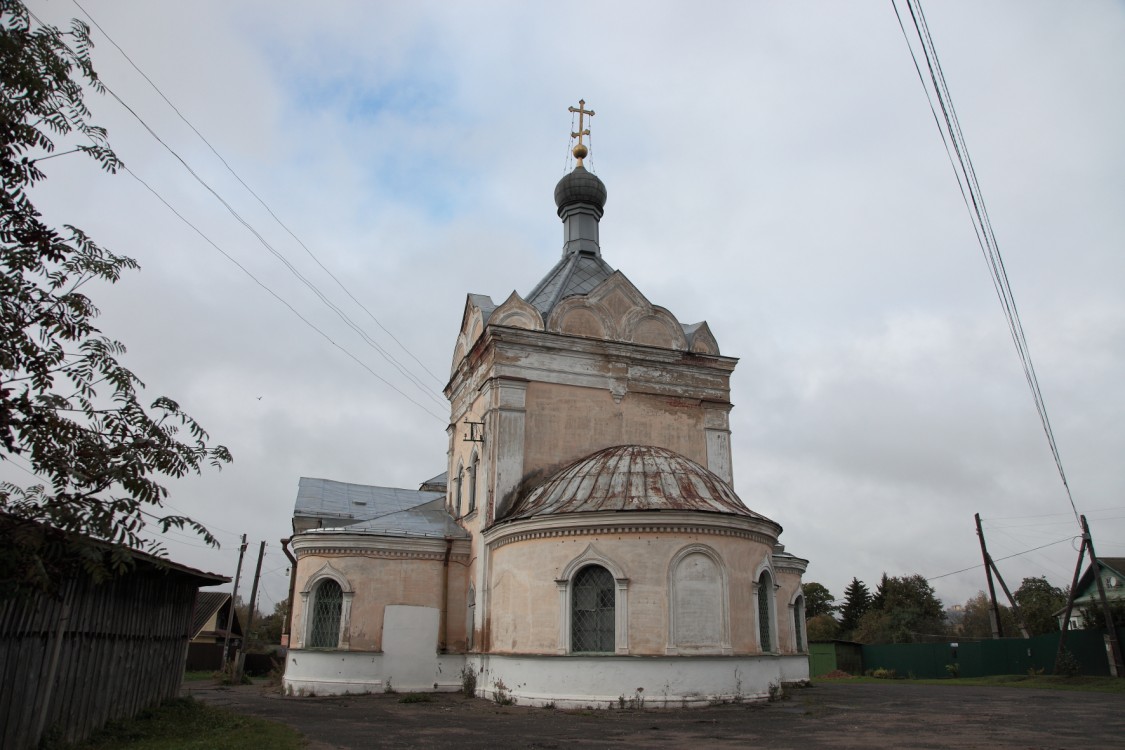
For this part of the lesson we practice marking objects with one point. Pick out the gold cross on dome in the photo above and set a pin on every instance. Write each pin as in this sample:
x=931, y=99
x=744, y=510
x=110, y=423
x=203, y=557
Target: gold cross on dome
x=580, y=150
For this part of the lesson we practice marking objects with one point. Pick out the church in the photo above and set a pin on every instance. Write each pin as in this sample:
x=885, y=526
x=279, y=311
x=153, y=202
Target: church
x=585, y=545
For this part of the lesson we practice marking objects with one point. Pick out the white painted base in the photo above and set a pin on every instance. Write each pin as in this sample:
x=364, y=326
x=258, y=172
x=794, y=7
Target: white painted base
x=657, y=682
x=344, y=672
x=561, y=681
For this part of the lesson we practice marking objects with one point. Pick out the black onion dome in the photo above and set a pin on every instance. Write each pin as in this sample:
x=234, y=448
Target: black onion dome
x=580, y=186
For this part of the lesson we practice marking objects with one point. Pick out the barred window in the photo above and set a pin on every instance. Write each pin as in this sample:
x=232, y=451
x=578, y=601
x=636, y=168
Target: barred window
x=328, y=602
x=798, y=622
x=765, y=594
x=593, y=611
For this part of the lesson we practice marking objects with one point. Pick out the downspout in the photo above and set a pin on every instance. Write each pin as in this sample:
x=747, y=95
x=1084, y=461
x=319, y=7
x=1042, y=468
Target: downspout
x=444, y=626
x=292, y=590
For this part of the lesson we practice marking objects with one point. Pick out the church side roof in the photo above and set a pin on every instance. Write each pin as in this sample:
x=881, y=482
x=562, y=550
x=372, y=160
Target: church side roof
x=484, y=303
x=427, y=520
x=440, y=483
x=364, y=509
x=576, y=273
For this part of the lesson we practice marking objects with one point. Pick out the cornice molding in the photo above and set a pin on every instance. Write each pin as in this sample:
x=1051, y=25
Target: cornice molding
x=610, y=522
x=343, y=543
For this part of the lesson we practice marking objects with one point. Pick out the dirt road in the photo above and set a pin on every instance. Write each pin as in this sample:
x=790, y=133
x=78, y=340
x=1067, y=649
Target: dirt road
x=837, y=715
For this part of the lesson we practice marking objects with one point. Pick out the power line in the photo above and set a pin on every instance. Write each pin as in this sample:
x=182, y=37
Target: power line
x=1049, y=515
x=276, y=296
x=998, y=559
x=982, y=224
x=253, y=193
x=280, y=257
x=277, y=254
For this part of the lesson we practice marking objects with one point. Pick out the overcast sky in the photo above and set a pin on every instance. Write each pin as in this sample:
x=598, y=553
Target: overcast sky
x=773, y=168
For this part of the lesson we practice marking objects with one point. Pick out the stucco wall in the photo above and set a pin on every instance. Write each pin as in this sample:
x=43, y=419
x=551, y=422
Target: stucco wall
x=525, y=606
x=378, y=582
x=566, y=423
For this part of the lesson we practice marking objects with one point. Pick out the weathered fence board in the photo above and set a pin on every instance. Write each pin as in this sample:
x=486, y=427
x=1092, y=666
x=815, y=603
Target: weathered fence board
x=114, y=648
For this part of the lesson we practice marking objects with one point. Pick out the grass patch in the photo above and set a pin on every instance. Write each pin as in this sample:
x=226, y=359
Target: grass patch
x=200, y=676
x=188, y=724
x=1041, y=682
x=415, y=698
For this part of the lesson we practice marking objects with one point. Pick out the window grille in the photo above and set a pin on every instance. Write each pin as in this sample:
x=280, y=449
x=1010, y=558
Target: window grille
x=798, y=617
x=765, y=591
x=327, y=607
x=592, y=611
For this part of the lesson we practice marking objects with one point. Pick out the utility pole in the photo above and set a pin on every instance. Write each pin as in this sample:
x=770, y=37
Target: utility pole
x=233, y=599
x=250, y=615
x=994, y=612
x=1116, y=667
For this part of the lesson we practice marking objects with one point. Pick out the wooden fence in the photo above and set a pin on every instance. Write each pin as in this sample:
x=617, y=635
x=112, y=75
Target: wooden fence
x=94, y=653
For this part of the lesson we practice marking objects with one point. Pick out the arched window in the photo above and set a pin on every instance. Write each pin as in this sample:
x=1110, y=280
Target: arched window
x=593, y=614
x=457, y=492
x=473, y=483
x=765, y=608
x=328, y=604
x=799, y=623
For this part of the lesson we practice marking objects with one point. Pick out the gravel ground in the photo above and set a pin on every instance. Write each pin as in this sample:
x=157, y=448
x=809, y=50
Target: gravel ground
x=836, y=715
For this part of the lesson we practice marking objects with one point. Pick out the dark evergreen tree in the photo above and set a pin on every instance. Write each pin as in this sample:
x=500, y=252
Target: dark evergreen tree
x=907, y=611
x=857, y=600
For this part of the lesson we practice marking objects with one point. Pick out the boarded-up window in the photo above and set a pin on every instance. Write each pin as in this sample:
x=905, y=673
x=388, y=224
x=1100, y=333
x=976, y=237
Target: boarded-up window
x=697, y=599
x=765, y=595
x=593, y=611
x=473, y=484
x=470, y=616
x=328, y=603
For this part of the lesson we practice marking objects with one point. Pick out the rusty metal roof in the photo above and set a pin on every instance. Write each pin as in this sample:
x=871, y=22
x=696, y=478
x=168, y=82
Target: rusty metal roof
x=632, y=478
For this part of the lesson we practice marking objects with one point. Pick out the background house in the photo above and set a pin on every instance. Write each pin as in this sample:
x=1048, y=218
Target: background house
x=1087, y=600
x=208, y=631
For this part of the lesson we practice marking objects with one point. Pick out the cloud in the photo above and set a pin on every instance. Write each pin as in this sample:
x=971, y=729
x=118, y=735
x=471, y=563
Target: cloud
x=774, y=170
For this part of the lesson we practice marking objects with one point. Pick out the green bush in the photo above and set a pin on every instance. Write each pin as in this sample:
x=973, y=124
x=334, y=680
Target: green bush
x=1066, y=665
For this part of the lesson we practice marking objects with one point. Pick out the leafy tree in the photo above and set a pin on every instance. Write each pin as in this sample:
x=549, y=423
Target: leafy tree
x=822, y=628
x=857, y=600
x=818, y=599
x=904, y=610
x=272, y=624
x=265, y=629
x=1039, y=601
x=68, y=407
x=976, y=619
